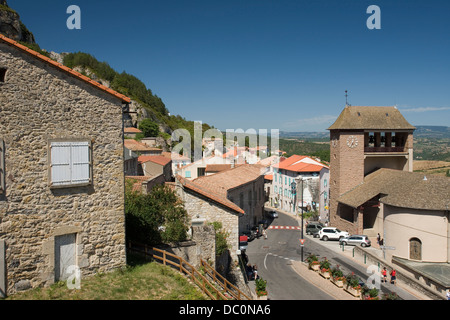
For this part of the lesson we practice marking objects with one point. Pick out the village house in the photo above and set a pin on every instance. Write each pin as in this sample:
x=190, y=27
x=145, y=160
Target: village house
x=315, y=176
x=61, y=172
x=198, y=168
x=131, y=132
x=234, y=197
x=155, y=166
x=141, y=148
x=178, y=161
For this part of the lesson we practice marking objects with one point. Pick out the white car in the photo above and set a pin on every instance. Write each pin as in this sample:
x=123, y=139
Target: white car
x=332, y=233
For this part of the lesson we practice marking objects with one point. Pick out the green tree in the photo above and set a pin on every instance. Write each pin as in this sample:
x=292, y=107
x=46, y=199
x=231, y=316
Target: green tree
x=158, y=217
x=149, y=128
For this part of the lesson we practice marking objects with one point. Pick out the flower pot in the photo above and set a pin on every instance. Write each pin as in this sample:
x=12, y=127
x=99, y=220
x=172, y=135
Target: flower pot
x=261, y=295
x=356, y=292
x=325, y=274
x=315, y=267
x=337, y=282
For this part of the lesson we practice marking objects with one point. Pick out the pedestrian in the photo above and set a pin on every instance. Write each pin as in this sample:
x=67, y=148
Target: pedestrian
x=393, y=276
x=448, y=294
x=255, y=272
x=265, y=234
x=378, y=239
x=249, y=270
x=384, y=274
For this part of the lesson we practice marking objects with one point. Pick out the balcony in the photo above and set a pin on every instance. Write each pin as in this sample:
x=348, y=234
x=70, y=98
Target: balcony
x=384, y=149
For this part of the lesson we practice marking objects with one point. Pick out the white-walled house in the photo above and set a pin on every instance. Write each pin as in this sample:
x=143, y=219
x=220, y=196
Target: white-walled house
x=315, y=177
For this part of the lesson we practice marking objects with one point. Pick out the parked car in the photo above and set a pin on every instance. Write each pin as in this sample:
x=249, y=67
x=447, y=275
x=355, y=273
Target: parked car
x=243, y=243
x=356, y=239
x=332, y=233
x=272, y=214
x=313, y=228
x=251, y=235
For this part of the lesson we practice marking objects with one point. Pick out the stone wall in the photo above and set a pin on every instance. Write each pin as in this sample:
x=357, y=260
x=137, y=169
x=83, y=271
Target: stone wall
x=39, y=102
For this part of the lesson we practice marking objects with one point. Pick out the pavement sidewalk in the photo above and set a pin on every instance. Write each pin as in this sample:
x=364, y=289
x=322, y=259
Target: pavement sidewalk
x=402, y=290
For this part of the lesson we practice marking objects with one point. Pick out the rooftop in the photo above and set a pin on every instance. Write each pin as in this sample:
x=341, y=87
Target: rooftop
x=371, y=118
x=63, y=68
x=161, y=160
x=134, y=145
x=401, y=189
x=298, y=163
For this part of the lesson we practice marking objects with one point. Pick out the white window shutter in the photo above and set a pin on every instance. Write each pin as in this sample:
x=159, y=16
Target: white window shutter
x=60, y=156
x=70, y=163
x=80, y=163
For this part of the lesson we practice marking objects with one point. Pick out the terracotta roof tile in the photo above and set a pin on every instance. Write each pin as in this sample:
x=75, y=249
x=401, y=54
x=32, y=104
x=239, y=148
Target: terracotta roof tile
x=131, y=130
x=134, y=145
x=161, y=160
x=64, y=68
x=298, y=163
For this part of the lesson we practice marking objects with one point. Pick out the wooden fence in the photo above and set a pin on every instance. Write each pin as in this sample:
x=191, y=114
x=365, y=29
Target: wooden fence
x=186, y=268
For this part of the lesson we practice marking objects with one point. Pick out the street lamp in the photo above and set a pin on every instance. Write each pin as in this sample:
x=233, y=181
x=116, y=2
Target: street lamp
x=294, y=187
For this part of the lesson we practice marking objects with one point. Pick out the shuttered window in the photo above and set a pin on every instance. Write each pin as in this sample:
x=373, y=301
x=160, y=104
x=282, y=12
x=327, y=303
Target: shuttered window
x=2, y=167
x=70, y=163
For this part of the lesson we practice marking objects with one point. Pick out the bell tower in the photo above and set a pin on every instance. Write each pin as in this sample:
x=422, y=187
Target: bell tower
x=362, y=140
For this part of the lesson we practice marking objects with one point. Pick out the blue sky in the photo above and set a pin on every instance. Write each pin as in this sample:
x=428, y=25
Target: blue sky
x=265, y=64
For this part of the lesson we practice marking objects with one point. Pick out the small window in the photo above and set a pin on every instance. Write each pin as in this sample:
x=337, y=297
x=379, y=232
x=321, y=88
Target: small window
x=187, y=174
x=70, y=163
x=2, y=74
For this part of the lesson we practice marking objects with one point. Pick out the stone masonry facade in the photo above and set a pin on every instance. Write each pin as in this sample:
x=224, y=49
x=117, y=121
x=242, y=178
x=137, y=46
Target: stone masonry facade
x=40, y=103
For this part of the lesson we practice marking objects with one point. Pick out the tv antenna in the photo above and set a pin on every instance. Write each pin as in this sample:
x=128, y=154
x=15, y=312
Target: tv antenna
x=346, y=100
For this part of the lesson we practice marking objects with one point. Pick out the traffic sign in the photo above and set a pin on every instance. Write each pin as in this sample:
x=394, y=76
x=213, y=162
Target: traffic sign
x=302, y=241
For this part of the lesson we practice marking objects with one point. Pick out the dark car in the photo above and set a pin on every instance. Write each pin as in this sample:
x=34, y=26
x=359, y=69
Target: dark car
x=313, y=228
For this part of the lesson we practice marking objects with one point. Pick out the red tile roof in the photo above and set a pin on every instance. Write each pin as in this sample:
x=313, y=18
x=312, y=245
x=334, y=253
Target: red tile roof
x=210, y=193
x=134, y=145
x=298, y=163
x=64, y=68
x=131, y=130
x=161, y=160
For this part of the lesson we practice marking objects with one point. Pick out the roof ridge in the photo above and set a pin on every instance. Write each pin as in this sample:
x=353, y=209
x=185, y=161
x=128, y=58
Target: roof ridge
x=122, y=97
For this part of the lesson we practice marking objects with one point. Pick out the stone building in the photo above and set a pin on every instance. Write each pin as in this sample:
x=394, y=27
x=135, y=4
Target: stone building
x=362, y=140
x=62, y=172
x=234, y=197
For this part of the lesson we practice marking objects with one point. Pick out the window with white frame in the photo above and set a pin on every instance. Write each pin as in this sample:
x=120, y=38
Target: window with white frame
x=70, y=163
x=2, y=167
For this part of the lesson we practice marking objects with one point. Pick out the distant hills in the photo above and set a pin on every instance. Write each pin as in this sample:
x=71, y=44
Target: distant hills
x=439, y=132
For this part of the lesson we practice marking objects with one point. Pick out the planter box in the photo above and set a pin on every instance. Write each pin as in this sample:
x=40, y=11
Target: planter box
x=326, y=274
x=353, y=292
x=315, y=267
x=338, y=283
x=261, y=297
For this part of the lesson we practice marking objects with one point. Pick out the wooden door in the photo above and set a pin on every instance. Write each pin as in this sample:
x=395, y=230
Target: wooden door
x=65, y=255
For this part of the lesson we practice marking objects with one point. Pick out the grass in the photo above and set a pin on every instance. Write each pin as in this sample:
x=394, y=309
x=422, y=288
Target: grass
x=139, y=280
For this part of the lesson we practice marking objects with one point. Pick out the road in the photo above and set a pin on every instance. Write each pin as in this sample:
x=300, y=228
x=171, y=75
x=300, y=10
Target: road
x=274, y=257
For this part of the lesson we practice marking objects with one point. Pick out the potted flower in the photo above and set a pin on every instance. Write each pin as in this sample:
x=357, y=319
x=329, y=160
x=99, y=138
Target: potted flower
x=261, y=290
x=390, y=296
x=353, y=285
x=313, y=262
x=325, y=268
x=369, y=294
x=337, y=277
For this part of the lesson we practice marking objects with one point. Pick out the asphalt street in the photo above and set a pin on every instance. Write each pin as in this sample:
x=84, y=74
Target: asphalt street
x=274, y=256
